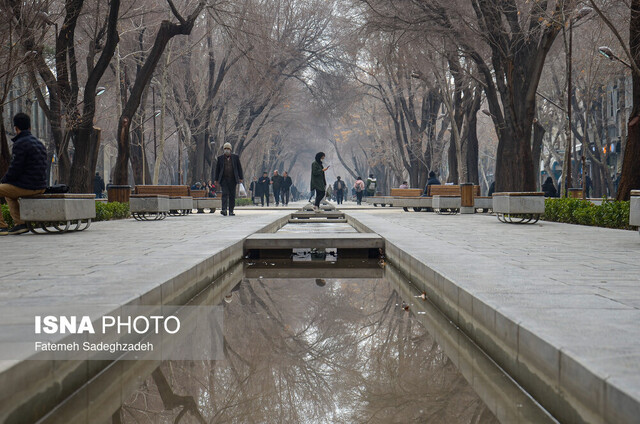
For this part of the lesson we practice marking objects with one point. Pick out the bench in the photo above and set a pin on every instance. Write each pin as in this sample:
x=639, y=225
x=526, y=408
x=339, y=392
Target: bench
x=165, y=190
x=406, y=192
x=518, y=207
x=180, y=205
x=147, y=207
x=211, y=203
x=447, y=199
x=58, y=212
x=483, y=203
x=634, y=211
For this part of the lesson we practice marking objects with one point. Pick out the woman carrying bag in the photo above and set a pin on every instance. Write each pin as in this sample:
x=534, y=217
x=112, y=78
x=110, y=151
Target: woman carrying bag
x=318, y=180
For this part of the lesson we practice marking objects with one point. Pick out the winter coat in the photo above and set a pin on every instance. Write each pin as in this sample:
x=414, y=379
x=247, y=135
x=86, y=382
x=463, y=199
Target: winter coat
x=430, y=181
x=318, y=180
x=98, y=184
x=287, y=183
x=336, y=188
x=263, y=186
x=28, y=167
x=237, y=168
x=371, y=186
x=359, y=186
x=277, y=182
x=549, y=189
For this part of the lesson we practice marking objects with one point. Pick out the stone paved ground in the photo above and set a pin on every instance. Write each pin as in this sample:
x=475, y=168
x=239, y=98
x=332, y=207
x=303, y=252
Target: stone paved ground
x=576, y=287
x=114, y=261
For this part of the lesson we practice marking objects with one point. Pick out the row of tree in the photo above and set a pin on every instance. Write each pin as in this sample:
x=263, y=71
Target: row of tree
x=474, y=89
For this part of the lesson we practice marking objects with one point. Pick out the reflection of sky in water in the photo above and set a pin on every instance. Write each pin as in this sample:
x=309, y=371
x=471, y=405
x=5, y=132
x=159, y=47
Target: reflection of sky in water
x=299, y=352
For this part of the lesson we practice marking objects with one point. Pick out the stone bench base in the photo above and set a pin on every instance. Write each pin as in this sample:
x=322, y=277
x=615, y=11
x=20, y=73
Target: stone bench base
x=58, y=212
x=180, y=205
x=149, y=207
x=211, y=203
x=416, y=203
x=483, y=203
x=446, y=204
x=634, y=212
x=518, y=208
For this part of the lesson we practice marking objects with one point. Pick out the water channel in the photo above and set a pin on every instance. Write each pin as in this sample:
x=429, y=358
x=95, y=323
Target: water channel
x=320, y=339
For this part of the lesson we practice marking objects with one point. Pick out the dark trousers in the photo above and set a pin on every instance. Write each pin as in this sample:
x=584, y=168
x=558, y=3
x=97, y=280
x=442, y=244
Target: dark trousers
x=262, y=196
x=285, y=196
x=228, y=195
x=339, y=196
x=319, y=195
x=359, y=196
x=276, y=195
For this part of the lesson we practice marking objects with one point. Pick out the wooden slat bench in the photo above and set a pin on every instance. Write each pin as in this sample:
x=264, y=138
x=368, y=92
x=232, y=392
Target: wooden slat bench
x=58, y=212
x=634, y=212
x=149, y=207
x=165, y=190
x=406, y=192
x=519, y=207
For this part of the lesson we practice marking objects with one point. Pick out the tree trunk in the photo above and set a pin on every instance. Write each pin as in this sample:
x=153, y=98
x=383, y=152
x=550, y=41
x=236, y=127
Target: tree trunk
x=536, y=150
x=471, y=155
x=5, y=155
x=166, y=32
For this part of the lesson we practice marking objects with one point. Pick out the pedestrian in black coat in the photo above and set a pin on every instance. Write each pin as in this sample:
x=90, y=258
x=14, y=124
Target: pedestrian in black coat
x=228, y=175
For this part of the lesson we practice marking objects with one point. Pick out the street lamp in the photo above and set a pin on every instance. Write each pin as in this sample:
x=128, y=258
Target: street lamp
x=608, y=53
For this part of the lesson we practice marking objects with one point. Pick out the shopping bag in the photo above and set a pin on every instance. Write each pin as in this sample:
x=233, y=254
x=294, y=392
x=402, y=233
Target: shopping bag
x=242, y=192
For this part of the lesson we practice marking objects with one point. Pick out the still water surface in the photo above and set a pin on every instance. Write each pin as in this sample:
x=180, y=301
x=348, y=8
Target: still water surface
x=312, y=350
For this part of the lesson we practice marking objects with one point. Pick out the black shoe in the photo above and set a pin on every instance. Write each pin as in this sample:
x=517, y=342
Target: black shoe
x=18, y=229
x=232, y=214
x=223, y=213
x=4, y=231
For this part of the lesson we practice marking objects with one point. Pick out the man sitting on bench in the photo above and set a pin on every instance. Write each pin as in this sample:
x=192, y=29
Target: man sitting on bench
x=431, y=181
x=27, y=174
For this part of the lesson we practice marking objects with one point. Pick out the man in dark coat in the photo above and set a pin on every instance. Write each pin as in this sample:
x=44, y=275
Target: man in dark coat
x=548, y=188
x=339, y=187
x=263, y=187
x=253, y=188
x=98, y=185
x=27, y=174
x=276, y=180
x=433, y=180
x=286, y=187
x=228, y=176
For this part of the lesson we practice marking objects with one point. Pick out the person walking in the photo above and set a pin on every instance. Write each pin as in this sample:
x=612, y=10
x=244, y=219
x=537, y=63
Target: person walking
x=318, y=180
x=286, y=187
x=253, y=189
x=263, y=187
x=98, y=186
x=276, y=181
x=339, y=187
x=27, y=173
x=371, y=185
x=548, y=188
x=358, y=186
x=228, y=176
x=433, y=180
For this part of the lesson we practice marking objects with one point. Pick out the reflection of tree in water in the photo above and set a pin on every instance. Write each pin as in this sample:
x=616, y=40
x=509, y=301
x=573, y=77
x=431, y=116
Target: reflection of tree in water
x=297, y=352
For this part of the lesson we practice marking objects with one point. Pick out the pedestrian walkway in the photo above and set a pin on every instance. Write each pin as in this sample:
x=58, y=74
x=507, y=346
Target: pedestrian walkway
x=556, y=305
